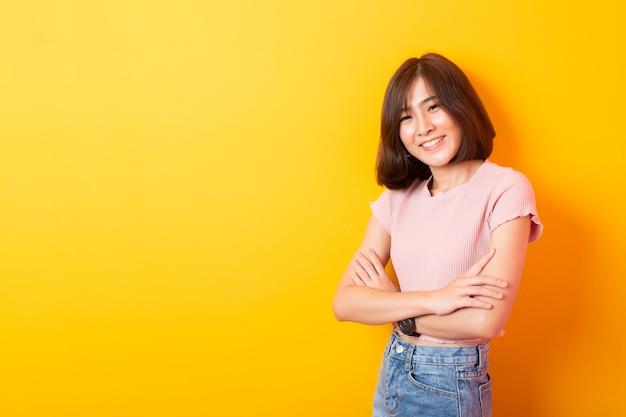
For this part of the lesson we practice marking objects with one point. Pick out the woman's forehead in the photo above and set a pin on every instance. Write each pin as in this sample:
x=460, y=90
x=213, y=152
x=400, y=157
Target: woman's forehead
x=418, y=92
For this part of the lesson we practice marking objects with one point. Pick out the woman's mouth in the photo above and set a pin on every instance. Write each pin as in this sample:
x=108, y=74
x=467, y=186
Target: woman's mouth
x=432, y=142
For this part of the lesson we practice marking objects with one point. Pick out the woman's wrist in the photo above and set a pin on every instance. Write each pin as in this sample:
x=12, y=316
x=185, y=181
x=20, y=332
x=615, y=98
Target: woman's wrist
x=407, y=326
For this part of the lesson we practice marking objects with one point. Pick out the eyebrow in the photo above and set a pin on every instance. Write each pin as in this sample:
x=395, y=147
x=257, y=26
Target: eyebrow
x=426, y=100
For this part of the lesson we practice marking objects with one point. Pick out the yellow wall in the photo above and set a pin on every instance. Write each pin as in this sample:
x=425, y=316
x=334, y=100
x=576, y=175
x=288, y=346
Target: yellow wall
x=182, y=183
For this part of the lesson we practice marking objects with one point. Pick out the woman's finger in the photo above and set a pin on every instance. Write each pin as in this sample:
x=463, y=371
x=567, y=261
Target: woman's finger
x=482, y=262
x=376, y=262
x=481, y=280
x=365, y=263
x=356, y=279
x=359, y=271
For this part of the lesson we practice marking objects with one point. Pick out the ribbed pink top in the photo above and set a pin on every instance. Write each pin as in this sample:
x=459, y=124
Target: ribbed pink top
x=434, y=239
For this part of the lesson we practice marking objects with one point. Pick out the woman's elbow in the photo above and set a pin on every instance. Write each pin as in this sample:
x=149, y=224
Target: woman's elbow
x=339, y=309
x=488, y=326
x=490, y=332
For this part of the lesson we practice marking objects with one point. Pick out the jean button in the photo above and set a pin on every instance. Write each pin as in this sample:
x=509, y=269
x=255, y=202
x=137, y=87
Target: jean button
x=399, y=348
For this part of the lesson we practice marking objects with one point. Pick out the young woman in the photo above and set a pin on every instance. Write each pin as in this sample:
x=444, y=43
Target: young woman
x=456, y=227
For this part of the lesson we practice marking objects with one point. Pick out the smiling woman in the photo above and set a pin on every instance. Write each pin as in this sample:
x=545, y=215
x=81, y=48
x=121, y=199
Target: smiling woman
x=456, y=227
x=427, y=131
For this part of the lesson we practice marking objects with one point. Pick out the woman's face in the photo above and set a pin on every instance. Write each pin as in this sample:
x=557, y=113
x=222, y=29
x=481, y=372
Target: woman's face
x=428, y=132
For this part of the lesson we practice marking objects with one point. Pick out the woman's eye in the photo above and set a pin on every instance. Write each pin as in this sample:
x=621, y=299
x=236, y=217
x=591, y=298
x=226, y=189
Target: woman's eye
x=432, y=107
x=403, y=118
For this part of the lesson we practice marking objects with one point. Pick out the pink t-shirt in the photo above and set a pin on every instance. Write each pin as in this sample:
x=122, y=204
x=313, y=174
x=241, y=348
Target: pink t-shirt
x=435, y=239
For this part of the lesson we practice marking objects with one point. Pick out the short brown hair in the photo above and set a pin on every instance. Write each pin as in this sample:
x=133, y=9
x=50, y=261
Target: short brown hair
x=395, y=167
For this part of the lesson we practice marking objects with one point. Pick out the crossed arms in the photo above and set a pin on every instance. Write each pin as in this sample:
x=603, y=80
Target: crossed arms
x=474, y=305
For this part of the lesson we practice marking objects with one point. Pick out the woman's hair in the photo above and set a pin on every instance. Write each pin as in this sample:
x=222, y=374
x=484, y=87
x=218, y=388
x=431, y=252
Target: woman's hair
x=396, y=168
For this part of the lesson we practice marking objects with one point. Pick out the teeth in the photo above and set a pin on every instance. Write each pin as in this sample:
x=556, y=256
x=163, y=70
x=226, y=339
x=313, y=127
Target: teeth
x=431, y=143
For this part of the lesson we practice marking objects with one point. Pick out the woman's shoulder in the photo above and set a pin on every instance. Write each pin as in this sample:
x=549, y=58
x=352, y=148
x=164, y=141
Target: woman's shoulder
x=504, y=184
x=502, y=175
x=397, y=196
x=392, y=202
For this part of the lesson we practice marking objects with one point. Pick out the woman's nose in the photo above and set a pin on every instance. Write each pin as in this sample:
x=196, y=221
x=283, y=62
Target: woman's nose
x=424, y=126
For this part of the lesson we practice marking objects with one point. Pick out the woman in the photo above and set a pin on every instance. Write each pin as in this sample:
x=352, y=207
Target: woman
x=456, y=227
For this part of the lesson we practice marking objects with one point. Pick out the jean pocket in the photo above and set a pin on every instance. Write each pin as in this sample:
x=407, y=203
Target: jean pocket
x=475, y=393
x=485, y=397
x=434, y=379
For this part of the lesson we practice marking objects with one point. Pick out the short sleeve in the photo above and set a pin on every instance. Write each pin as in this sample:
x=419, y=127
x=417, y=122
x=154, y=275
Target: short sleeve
x=514, y=197
x=381, y=210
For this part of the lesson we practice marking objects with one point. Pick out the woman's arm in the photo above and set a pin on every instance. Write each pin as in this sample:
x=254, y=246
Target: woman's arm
x=369, y=305
x=366, y=294
x=510, y=241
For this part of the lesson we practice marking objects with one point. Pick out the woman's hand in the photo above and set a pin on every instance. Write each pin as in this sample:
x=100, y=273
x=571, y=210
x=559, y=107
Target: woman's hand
x=369, y=271
x=461, y=292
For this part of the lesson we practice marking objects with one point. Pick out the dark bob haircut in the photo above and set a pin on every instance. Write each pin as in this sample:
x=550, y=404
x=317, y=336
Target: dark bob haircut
x=395, y=167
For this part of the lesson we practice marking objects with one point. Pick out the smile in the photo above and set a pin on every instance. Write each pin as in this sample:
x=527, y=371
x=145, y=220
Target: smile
x=432, y=142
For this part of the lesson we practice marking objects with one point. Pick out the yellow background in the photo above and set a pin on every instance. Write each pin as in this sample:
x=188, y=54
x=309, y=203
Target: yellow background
x=183, y=182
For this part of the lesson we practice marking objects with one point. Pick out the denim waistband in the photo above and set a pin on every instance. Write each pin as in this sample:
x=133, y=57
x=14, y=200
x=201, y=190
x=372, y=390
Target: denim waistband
x=445, y=355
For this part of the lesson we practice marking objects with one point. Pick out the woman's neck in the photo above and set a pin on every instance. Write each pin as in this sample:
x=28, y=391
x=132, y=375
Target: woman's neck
x=447, y=177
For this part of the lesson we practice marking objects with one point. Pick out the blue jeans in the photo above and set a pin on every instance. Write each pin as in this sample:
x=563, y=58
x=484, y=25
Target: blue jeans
x=435, y=381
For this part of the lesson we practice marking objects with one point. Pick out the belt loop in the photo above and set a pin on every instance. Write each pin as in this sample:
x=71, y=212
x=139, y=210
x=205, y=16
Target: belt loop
x=480, y=349
x=408, y=359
